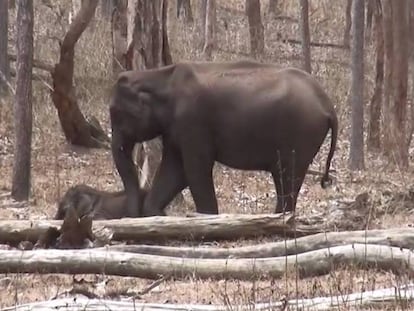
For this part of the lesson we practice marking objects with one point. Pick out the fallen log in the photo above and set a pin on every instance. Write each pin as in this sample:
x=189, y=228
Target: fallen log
x=403, y=238
x=307, y=264
x=375, y=299
x=317, y=44
x=208, y=227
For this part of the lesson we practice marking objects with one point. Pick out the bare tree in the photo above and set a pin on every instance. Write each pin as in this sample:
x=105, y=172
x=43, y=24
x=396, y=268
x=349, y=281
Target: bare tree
x=397, y=131
x=185, y=5
x=23, y=104
x=370, y=4
x=119, y=36
x=374, y=141
x=356, y=156
x=149, y=37
x=202, y=15
x=77, y=129
x=107, y=7
x=74, y=10
x=388, y=73
x=411, y=59
x=305, y=35
x=273, y=6
x=348, y=23
x=209, y=32
x=4, y=61
x=166, y=53
x=256, y=28
x=400, y=80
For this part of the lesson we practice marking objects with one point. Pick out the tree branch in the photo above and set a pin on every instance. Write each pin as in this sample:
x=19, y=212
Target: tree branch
x=79, y=24
x=317, y=44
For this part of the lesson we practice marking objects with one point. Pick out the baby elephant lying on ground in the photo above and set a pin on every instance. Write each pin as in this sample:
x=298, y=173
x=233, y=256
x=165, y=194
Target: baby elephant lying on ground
x=89, y=201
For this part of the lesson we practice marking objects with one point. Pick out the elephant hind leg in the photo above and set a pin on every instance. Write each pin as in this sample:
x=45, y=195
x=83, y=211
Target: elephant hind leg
x=288, y=177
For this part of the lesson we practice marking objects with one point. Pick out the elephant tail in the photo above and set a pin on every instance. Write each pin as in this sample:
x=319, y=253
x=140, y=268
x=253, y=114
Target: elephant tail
x=333, y=124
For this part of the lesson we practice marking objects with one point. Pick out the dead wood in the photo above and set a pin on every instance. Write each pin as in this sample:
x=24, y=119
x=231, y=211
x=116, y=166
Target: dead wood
x=374, y=299
x=403, y=238
x=313, y=263
x=317, y=44
x=76, y=232
x=207, y=227
x=77, y=130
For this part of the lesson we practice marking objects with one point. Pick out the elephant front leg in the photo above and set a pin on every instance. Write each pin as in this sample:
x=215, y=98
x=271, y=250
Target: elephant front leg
x=168, y=182
x=122, y=156
x=199, y=173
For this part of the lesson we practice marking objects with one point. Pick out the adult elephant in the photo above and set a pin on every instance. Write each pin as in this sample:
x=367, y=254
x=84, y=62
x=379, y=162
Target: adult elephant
x=245, y=115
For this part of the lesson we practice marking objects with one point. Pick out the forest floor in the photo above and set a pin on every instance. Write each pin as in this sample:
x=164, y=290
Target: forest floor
x=56, y=166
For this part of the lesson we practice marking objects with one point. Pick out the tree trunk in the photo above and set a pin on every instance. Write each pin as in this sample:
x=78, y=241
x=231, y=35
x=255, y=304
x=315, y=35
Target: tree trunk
x=202, y=15
x=210, y=31
x=411, y=30
x=411, y=59
x=400, y=81
x=305, y=35
x=150, y=37
x=23, y=105
x=392, y=237
x=107, y=7
x=119, y=37
x=387, y=144
x=226, y=226
x=273, y=6
x=309, y=264
x=75, y=127
x=74, y=10
x=188, y=12
x=370, y=4
x=256, y=28
x=166, y=53
x=374, y=128
x=348, y=23
x=356, y=157
x=4, y=60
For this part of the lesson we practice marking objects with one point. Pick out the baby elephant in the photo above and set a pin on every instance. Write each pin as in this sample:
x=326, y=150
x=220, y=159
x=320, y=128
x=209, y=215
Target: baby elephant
x=89, y=201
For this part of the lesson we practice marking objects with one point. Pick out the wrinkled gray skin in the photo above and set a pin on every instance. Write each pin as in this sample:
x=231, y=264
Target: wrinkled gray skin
x=89, y=201
x=245, y=115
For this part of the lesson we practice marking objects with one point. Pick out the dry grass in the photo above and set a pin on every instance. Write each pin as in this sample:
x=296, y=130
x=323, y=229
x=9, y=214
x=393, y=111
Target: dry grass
x=56, y=166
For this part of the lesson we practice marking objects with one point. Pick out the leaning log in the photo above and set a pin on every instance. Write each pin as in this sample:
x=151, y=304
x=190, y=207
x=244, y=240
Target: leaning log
x=374, y=299
x=307, y=264
x=403, y=238
x=162, y=228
